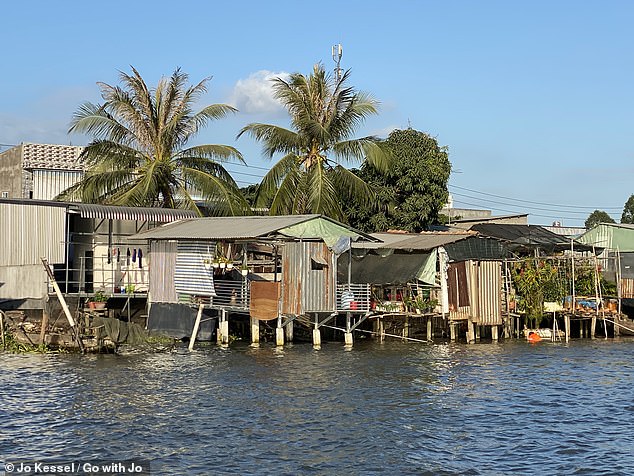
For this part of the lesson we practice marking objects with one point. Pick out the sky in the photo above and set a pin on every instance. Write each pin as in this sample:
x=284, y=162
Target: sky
x=533, y=99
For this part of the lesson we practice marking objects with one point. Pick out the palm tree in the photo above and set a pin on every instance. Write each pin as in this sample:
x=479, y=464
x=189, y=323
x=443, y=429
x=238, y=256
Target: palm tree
x=139, y=156
x=309, y=178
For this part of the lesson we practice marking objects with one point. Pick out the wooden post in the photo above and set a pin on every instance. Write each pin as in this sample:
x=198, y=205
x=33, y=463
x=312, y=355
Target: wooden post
x=219, y=329
x=593, y=327
x=4, y=345
x=279, y=333
x=470, y=332
x=289, y=331
x=430, y=337
x=225, y=331
x=381, y=330
x=347, y=337
x=452, y=330
x=567, y=327
x=477, y=331
x=192, y=339
x=62, y=301
x=45, y=318
x=316, y=338
x=255, y=330
x=406, y=326
x=494, y=333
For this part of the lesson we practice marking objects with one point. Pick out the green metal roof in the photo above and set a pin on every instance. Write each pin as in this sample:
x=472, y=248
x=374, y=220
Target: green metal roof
x=255, y=227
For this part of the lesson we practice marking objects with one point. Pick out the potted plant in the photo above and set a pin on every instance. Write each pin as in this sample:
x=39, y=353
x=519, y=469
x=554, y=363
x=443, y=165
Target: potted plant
x=98, y=300
x=422, y=304
x=244, y=270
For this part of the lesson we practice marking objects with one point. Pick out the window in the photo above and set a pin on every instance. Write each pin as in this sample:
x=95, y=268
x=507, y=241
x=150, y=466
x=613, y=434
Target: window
x=5, y=194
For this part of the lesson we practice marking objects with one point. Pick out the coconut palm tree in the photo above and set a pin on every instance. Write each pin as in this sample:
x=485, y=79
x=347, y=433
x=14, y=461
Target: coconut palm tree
x=139, y=156
x=310, y=176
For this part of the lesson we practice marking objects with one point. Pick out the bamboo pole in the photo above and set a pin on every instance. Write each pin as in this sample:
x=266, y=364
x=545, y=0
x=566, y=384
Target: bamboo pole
x=4, y=345
x=62, y=300
x=196, y=326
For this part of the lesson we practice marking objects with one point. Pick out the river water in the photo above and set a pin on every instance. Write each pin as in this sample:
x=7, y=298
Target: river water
x=391, y=408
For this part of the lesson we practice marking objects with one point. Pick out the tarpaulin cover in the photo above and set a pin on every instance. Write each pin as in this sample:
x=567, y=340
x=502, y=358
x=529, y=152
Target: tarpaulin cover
x=319, y=229
x=392, y=268
x=177, y=321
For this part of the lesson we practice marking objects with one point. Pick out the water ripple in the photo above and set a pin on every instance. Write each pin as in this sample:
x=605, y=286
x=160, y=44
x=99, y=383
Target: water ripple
x=394, y=408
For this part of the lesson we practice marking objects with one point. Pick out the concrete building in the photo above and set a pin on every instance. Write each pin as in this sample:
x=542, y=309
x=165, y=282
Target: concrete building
x=39, y=171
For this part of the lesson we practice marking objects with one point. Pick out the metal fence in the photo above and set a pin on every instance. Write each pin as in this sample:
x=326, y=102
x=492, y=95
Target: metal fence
x=233, y=295
x=353, y=297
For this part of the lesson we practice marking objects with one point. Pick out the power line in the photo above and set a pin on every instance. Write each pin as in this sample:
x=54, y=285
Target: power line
x=533, y=202
x=514, y=212
x=556, y=210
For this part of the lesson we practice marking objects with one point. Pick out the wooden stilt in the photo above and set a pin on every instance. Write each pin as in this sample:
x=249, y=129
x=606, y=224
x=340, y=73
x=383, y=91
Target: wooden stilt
x=279, y=333
x=477, y=331
x=567, y=327
x=255, y=330
x=470, y=332
x=430, y=337
x=316, y=338
x=219, y=329
x=494, y=333
x=406, y=327
x=347, y=337
x=452, y=330
x=593, y=327
x=289, y=331
x=224, y=327
x=44, y=328
x=192, y=339
x=4, y=344
x=381, y=330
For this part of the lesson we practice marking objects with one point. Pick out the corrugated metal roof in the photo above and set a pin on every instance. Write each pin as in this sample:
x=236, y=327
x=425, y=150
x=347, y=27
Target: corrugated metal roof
x=528, y=236
x=131, y=213
x=233, y=228
x=414, y=241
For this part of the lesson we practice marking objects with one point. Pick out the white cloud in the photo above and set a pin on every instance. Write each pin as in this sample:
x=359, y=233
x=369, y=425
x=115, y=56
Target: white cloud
x=254, y=95
x=384, y=131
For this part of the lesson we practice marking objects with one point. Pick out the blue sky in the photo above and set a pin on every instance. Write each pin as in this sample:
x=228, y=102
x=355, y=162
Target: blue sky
x=534, y=99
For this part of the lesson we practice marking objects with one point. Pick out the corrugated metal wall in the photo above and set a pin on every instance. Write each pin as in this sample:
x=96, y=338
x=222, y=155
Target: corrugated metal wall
x=308, y=278
x=47, y=184
x=489, y=283
x=485, y=294
x=31, y=232
x=191, y=276
x=163, y=256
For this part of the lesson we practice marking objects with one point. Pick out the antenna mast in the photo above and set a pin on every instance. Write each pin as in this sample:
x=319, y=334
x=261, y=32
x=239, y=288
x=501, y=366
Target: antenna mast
x=337, y=53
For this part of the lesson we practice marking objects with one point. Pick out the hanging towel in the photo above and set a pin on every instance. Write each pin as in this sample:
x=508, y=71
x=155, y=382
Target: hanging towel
x=127, y=259
x=140, y=257
x=134, y=255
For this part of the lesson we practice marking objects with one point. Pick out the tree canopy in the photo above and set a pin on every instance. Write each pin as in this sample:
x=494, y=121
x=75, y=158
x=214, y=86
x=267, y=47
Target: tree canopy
x=311, y=177
x=596, y=217
x=139, y=154
x=412, y=192
x=628, y=211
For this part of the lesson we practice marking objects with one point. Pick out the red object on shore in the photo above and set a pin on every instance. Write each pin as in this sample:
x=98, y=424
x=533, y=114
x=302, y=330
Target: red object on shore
x=533, y=337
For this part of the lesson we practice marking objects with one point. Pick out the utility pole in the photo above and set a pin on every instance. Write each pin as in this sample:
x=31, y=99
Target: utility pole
x=337, y=53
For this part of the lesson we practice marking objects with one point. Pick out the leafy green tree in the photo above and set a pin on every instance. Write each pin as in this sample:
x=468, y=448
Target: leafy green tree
x=412, y=192
x=596, y=217
x=139, y=156
x=310, y=176
x=628, y=211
